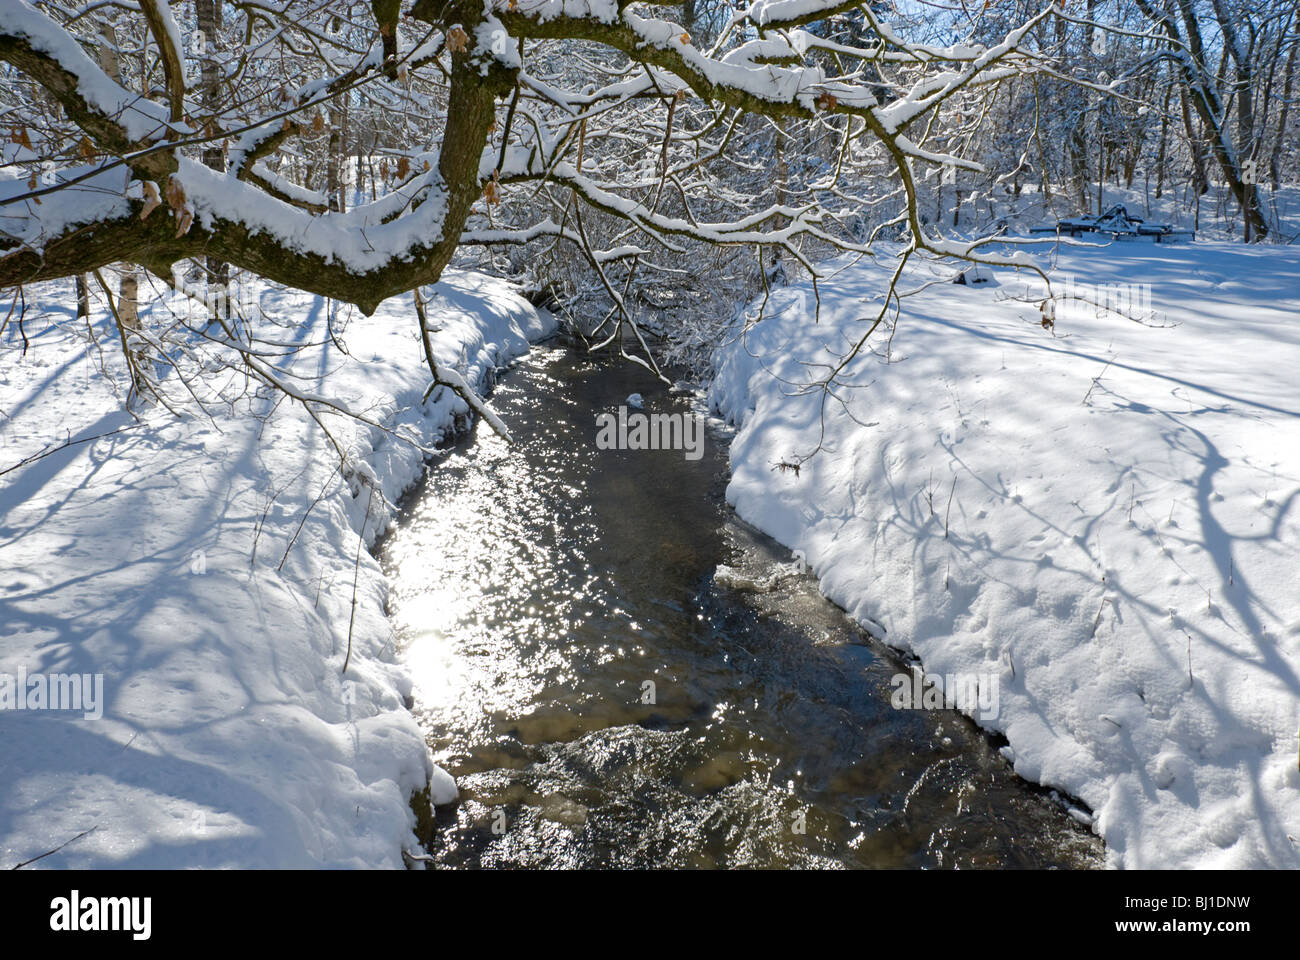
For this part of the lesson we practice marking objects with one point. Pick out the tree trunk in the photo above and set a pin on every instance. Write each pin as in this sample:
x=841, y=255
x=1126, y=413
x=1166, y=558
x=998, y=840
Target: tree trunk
x=1164, y=142
x=83, y=297
x=208, y=16
x=333, y=163
x=386, y=13
x=782, y=178
x=1274, y=165
x=1077, y=153
x=1200, y=180
x=128, y=285
x=1214, y=119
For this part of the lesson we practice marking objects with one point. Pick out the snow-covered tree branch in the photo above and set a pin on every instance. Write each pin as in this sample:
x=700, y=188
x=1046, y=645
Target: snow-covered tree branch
x=116, y=173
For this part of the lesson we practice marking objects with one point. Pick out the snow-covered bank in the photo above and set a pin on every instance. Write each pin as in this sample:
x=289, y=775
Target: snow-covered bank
x=152, y=556
x=1104, y=515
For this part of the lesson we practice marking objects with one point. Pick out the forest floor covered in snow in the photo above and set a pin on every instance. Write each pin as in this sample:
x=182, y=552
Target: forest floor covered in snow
x=204, y=568
x=1102, y=514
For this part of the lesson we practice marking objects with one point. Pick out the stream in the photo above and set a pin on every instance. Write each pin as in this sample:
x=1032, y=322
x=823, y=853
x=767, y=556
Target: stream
x=603, y=700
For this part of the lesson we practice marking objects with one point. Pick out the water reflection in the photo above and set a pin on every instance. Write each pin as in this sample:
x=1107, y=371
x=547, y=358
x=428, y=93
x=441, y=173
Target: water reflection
x=541, y=588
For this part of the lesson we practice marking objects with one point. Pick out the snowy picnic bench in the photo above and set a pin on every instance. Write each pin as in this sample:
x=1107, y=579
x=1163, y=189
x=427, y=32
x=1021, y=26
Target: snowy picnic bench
x=1117, y=222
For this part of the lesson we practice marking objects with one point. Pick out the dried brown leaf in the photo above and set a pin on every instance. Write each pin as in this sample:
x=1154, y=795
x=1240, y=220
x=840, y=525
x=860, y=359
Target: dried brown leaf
x=151, y=199
x=175, y=194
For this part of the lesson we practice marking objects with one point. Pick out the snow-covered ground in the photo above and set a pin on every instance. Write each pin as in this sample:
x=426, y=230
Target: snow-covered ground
x=1213, y=216
x=229, y=734
x=1103, y=515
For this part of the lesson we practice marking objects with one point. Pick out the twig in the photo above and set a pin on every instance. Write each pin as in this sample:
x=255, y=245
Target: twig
x=48, y=451
x=1094, y=380
x=132, y=359
x=356, y=570
x=312, y=506
x=453, y=381
x=948, y=513
x=257, y=530
x=56, y=849
x=1104, y=601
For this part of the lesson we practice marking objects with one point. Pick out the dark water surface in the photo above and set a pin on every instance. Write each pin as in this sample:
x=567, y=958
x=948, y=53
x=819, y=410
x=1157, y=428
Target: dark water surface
x=539, y=586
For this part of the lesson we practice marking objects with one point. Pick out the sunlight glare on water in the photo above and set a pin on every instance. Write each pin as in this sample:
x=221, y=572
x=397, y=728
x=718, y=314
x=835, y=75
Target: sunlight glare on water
x=538, y=586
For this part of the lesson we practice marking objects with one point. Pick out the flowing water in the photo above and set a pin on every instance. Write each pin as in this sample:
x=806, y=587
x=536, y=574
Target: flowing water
x=604, y=700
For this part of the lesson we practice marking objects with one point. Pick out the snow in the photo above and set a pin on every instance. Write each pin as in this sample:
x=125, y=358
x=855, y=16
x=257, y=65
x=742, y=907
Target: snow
x=141, y=119
x=355, y=239
x=1104, y=514
x=288, y=188
x=169, y=25
x=769, y=82
x=101, y=196
x=603, y=11
x=784, y=11
x=230, y=736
